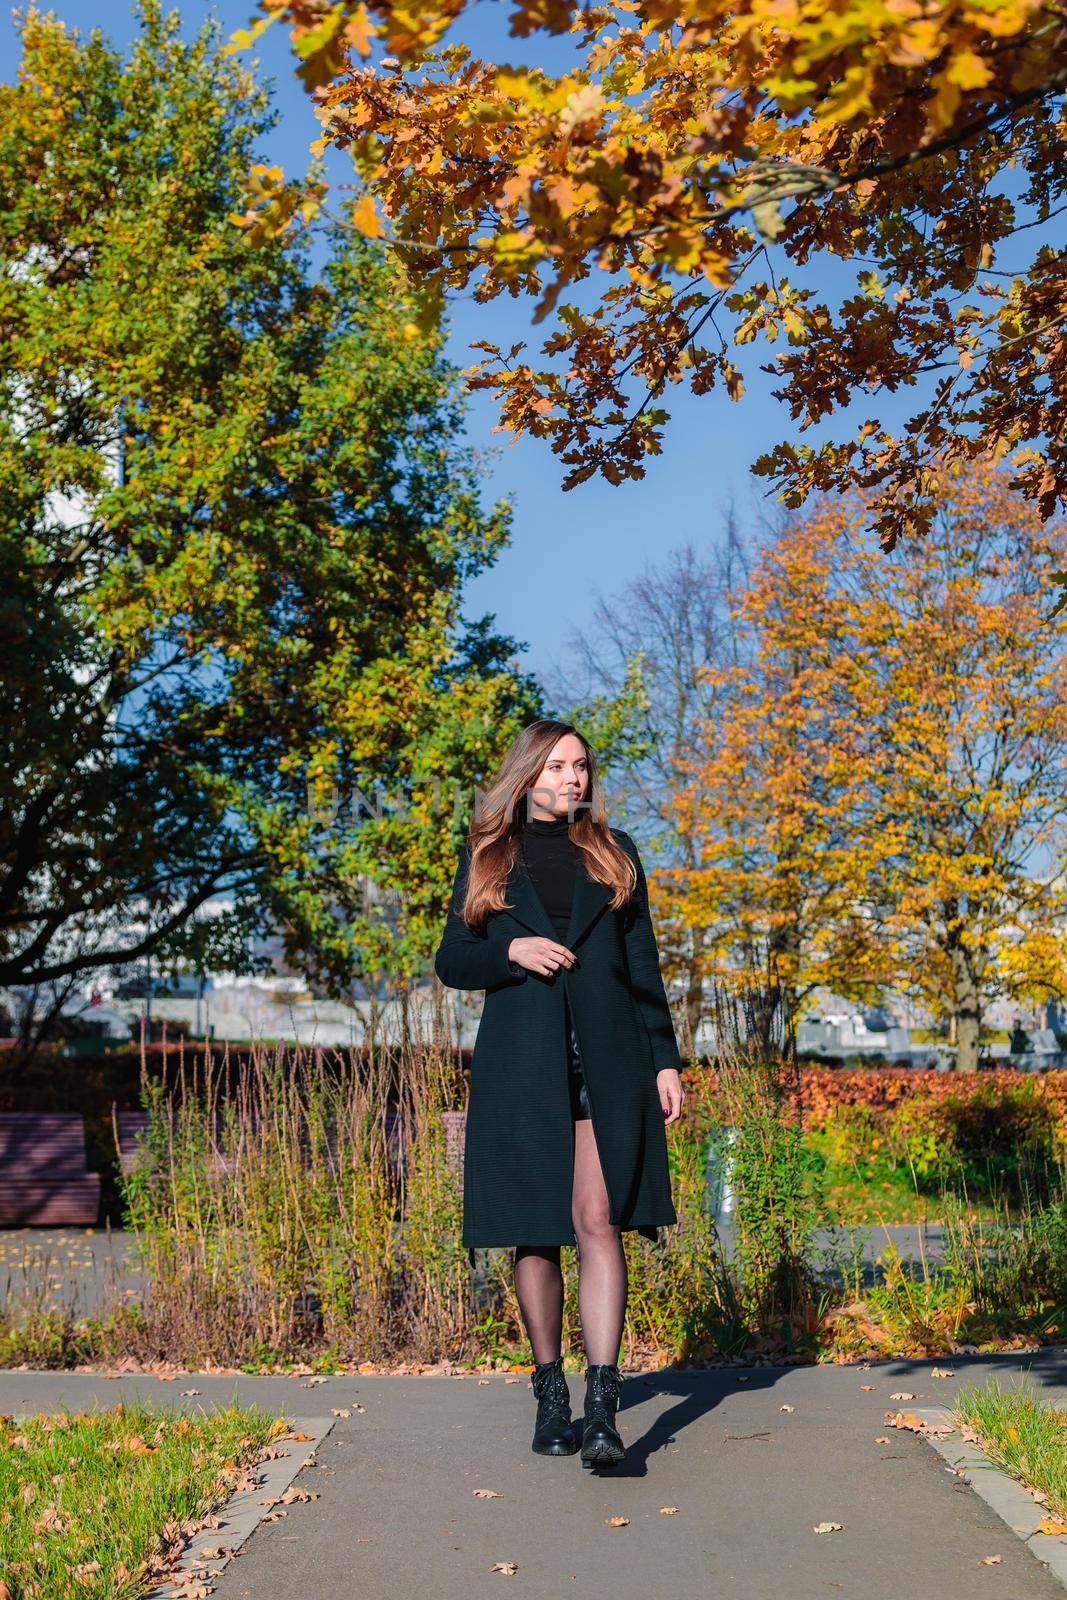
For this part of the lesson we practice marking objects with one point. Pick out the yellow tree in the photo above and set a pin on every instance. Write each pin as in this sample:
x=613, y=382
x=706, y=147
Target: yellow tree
x=884, y=796
x=965, y=687
x=661, y=198
x=771, y=795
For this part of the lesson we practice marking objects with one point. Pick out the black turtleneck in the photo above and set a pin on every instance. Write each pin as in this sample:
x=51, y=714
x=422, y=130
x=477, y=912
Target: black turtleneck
x=551, y=857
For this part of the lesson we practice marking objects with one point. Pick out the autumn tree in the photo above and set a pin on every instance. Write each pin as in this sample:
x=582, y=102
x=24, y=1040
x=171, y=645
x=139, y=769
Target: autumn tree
x=964, y=687
x=769, y=792
x=873, y=189
x=638, y=685
x=235, y=520
x=884, y=802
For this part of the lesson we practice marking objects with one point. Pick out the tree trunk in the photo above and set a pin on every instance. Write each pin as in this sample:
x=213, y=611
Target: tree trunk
x=967, y=1014
x=694, y=987
x=967, y=1023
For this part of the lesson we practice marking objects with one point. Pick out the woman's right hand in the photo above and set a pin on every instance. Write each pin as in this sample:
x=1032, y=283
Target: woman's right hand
x=540, y=955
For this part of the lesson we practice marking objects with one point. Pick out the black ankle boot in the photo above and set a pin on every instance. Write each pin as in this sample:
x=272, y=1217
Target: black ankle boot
x=602, y=1444
x=554, y=1434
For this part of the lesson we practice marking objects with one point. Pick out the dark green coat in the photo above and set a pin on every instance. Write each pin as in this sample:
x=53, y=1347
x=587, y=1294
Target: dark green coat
x=519, y=1149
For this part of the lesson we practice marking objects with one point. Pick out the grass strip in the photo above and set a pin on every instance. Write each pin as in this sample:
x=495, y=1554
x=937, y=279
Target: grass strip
x=1023, y=1435
x=97, y=1505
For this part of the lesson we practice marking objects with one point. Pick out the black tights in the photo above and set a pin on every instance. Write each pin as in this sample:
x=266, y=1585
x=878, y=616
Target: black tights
x=602, y=1282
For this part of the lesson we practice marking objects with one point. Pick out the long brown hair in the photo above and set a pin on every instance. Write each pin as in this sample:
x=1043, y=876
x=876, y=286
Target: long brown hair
x=494, y=831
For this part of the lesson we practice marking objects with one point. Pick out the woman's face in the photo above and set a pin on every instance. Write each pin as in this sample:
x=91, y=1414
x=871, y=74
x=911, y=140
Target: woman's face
x=563, y=780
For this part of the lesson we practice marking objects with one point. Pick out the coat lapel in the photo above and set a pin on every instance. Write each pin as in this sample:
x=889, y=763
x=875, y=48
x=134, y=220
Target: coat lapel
x=589, y=899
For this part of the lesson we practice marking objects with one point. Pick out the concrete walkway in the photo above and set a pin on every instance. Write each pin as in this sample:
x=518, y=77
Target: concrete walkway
x=80, y=1268
x=397, y=1514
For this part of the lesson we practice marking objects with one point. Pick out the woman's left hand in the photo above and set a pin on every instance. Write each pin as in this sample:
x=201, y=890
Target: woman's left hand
x=671, y=1095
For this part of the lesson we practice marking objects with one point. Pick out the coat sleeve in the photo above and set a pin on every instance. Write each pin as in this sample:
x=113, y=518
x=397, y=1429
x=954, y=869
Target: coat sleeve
x=646, y=980
x=470, y=959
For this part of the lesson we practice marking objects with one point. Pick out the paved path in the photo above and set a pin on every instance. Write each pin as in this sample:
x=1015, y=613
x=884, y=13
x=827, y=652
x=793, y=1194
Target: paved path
x=397, y=1514
x=76, y=1267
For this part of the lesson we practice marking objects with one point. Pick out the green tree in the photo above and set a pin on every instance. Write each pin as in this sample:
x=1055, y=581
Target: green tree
x=236, y=515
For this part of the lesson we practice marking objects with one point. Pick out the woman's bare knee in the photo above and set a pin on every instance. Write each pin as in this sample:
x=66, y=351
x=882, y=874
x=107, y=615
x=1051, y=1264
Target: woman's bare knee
x=591, y=1222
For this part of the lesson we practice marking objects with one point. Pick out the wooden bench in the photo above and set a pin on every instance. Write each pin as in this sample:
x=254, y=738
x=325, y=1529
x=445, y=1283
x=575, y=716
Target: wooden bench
x=128, y=1127
x=455, y=1123
x=44, y=1180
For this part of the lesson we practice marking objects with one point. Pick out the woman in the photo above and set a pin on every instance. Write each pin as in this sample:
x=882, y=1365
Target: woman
x=575, y=1069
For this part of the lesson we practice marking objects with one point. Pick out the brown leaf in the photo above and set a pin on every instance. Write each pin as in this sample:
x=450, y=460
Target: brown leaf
x=617, y=1522
x=910, y=1421
x=990, y=1561
x=828, y=1527
x=508, y=1568
x=485, y=1494
x=668, y=1511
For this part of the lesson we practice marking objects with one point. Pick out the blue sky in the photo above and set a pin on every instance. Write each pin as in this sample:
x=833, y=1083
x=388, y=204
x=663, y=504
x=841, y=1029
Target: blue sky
x=563, y=545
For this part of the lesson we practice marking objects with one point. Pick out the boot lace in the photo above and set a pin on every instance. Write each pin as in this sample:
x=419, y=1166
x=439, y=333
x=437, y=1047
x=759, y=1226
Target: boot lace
x=553, y=1396
x=603, y=1396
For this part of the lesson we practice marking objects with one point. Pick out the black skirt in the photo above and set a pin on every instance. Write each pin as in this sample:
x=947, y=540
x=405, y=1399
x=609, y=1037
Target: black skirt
x=575, y=1077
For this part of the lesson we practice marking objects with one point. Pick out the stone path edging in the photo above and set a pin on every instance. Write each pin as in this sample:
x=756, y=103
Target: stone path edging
x=242, y=1513
x=1000, y=1491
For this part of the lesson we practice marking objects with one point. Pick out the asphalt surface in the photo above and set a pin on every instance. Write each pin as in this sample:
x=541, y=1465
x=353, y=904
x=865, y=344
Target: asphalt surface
x=398, y=1515
x=81, y=1267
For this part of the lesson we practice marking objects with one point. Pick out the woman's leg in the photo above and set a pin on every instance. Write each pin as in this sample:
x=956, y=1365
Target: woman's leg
x=539, y=1290
x=602, y=1282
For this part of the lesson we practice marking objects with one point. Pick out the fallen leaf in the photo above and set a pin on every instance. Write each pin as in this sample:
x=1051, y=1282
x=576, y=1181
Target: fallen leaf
x=910, y=1421
x=943, y=1372
x=668, y=1511
x=990, y=1561
x=508, y=1568
x=1051, y=1525
x=485, y=1494
x=903, y=1394
x=883, y=1438
x=828, y=1527
x=339, y=1411
x=787, y=1408
x=617, y=1522
x=868, y=1386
